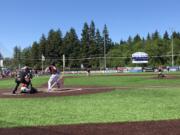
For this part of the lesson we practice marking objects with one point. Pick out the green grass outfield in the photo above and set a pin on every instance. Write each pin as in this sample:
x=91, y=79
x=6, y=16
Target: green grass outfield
x=141, y=102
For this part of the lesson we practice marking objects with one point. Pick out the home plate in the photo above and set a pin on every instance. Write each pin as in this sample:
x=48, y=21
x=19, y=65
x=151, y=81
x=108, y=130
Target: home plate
x=66, y=90
x=59, y=90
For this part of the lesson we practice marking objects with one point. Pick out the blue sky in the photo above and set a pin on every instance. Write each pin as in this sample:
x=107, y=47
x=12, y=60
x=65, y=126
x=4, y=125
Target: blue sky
x=24, y=21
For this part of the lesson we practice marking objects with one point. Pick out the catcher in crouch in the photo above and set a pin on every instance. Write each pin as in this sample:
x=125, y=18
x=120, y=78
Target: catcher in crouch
x=54, y=78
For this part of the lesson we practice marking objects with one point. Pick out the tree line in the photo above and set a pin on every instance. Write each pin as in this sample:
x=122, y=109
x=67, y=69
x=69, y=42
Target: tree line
x=89, y=50
x=159, y=48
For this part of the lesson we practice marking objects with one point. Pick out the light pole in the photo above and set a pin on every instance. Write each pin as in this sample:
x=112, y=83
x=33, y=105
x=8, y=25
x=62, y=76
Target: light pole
x=104, y=52
x=172, y=49
x=42, y=60
x=172, y=42
x=63, y=63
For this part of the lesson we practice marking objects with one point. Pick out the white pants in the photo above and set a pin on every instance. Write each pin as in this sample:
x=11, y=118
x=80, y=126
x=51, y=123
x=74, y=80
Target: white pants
x=53, y=79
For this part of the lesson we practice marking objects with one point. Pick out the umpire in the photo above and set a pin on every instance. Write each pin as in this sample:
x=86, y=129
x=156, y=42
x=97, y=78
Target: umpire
x=20, y=78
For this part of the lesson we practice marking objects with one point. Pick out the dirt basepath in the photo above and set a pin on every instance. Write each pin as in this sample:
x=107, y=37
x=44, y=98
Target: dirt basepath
x=134, y=128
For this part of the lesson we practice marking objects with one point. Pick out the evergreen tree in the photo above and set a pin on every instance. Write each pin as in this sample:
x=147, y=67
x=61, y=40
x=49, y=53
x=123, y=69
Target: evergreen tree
x=71, y=48
x=17, y=56
x=148, y=37
x=85, y=43
x=122, y=42
x=92, y=38
x=100, y=49
x=43, y=46
x=166, y=36
x=155, y=35
x=99, y=43
x=137, y=38
x=26, y=55
x=93, y=48
x=107, y=40
x=54, y=47
x=129, y=41
x=35, y=55
x=174, y=35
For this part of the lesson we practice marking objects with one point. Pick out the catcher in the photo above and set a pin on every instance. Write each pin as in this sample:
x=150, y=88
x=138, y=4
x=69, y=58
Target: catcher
x=27, y=87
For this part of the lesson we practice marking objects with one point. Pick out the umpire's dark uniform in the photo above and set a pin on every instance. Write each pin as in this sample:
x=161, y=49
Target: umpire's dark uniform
x=20, y=78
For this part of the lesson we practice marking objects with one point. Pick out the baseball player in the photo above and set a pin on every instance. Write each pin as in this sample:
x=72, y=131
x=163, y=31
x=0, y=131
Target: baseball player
x=20, y=78
x=54, y=78
x=160, y=73
x=24, y=88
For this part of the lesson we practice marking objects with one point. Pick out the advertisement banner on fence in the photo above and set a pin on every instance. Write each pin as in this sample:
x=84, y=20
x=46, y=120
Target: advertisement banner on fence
x=139, y=57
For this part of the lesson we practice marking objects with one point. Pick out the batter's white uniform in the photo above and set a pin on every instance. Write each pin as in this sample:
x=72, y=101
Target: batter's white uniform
x=54, y=78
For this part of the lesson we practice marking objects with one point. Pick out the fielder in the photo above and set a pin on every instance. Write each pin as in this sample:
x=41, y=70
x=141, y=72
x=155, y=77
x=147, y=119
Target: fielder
x=54, y=78
x=160, y=73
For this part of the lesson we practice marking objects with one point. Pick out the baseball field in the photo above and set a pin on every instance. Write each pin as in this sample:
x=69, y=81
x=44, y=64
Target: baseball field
x=118, y=104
